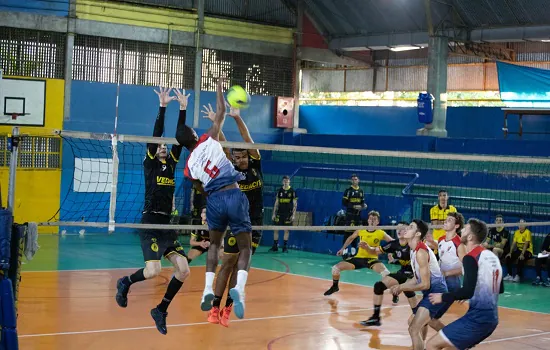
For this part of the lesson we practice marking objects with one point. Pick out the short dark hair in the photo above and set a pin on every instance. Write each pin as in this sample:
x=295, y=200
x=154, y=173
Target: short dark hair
x=479, y=229
x=499, y=216
x=459, y=219
x=286, y=177
x=374, y=213
x=421, y=227
x=442, y=191
x=403, y=223
x=354, y=175
x=238, y=150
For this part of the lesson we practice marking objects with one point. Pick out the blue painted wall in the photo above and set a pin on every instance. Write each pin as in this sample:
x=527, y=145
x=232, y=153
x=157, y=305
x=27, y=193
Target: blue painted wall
x=52, y=8
x=462, y=122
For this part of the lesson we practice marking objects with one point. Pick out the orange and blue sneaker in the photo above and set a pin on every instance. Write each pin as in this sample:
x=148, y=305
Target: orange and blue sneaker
x=214, y=315
x=225, y=315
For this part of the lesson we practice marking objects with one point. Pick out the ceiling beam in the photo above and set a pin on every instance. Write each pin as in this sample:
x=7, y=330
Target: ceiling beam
x=384, y=41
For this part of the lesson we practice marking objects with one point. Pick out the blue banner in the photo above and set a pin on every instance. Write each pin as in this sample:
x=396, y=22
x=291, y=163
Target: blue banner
x=523, y=86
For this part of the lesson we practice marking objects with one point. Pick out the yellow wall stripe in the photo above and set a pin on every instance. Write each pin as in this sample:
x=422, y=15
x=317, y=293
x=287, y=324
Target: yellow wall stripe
x=144, y=16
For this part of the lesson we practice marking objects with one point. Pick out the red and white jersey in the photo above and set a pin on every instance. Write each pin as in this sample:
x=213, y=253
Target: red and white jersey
x=209, y=164
x=489, y=278
x=448, y=253
x=436, y=277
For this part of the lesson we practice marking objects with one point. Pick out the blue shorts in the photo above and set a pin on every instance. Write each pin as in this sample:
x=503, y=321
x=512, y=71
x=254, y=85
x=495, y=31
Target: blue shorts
x=229, y=207
x=470, y=330
x=453, y=284
x=425, y=302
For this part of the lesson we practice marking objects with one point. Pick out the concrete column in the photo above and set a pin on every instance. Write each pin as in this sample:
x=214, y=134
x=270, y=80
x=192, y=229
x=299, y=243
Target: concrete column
x=69, y=45
x=198, y=63
x=298, y=65
x=438, y=53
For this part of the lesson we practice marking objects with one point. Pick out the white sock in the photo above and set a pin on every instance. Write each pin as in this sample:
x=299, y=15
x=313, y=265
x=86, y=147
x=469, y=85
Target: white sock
x=242, y=275
x=209, y=281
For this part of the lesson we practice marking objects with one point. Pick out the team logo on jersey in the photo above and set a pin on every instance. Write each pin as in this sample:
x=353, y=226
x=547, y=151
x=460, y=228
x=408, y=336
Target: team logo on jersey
x=376, y=241
x=154, y=247
x=231, y=241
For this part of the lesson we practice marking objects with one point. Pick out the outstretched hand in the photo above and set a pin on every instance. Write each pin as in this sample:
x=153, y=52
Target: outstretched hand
x=208, y=112
x=182, y=98
x=164, y=96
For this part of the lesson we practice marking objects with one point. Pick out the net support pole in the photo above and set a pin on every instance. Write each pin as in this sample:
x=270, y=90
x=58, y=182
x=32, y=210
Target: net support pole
x=198, y=63
x=14, y=144
x=114, y=184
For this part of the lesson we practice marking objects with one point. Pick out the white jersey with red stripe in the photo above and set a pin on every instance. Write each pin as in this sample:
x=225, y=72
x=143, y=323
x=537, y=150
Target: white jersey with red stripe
x=436, y=277
x=448, y=253
x=489, y=278
x=208, y=164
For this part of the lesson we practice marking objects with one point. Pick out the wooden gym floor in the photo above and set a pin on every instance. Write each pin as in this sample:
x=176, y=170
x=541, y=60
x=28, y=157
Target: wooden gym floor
x=67, y=302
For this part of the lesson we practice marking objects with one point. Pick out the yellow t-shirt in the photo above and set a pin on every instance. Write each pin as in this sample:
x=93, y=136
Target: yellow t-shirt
x=521, y=237
x=437, y=213
x=373, y=239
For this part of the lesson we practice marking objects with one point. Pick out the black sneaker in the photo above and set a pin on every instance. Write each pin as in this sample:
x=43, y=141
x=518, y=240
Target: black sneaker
x=285, y=249
x=122, y=292
x=160, y=320
x=332, y=290
x=373, y=321
x=274, y=249
x=395, y=299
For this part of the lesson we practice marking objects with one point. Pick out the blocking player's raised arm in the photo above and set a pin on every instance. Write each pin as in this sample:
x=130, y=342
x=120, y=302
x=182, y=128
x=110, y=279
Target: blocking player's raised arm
x=182, y=99
x=158, y=130
x=243, y=130
x=219, y=119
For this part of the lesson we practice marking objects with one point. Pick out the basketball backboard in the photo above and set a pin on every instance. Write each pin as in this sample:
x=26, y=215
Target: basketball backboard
x=22, y=101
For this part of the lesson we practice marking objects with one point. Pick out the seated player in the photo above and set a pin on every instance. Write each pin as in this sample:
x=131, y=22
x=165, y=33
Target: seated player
x=159, y=168
x=427, y=278
x=284, y=212
x=451, y=253
x=482, y=285
x=522, y=250
x=247, y=161
x=402, y=251
x=498, y=239
x=544, y=249
x=200, y=240
x=211, y=171
x=363, y=258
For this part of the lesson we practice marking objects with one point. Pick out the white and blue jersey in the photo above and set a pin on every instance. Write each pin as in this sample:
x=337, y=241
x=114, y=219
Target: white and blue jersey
x=208, y=164
x=482, y=285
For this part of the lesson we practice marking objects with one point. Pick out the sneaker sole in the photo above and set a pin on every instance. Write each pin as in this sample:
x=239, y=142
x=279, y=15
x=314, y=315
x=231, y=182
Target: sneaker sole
x=161, y=331
x=238, y=307
x=120, y=300
x=206, y=303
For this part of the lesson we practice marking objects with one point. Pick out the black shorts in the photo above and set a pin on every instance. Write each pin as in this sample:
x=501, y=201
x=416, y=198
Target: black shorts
x=401, y=276
x=200, y=249
x=283, y=219
x=230, y=242
x=158, y=243
x=362, y=263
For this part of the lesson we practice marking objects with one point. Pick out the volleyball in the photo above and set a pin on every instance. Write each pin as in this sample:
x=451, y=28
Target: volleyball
x=237, y=97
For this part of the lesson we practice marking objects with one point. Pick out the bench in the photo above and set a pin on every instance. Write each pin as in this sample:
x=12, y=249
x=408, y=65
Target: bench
x=520, y=112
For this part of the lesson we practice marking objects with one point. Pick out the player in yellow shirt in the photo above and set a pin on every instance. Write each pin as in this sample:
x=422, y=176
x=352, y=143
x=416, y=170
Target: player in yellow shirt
x=522, y=250
x=363, y=258
x=438, y=214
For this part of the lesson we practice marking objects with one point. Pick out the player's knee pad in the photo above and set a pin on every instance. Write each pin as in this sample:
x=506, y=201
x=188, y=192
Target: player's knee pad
x=335, y=270
x=379, y=288
x=410, y=294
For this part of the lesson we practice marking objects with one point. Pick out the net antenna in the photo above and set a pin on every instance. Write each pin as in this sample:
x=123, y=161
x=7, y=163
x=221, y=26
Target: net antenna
x=114, y=143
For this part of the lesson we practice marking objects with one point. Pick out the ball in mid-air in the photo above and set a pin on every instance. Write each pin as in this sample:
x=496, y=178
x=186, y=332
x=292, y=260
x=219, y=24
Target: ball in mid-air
x=237, y=97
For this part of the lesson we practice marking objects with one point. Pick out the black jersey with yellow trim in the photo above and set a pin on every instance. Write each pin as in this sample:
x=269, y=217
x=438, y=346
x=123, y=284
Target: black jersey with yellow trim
x=253, y=185
x=286, y=198
x=402, y=253
x=353, y=196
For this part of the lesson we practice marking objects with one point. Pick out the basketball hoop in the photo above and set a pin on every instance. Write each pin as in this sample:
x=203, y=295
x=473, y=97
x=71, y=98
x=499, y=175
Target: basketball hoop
x=14, y=116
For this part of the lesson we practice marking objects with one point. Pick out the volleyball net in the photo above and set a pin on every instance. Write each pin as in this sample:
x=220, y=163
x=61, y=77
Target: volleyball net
x=103, y=185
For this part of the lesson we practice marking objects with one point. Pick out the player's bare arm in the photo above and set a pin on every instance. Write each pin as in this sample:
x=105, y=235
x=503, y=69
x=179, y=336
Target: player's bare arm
x=243, y=130
x=348, y=242
x=209, y=113
x=219, y=119
x=275, y=208
x=411, y=285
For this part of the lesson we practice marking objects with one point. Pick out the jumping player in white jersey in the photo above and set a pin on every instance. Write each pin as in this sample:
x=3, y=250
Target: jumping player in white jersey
x=427, y=278
x=211, y=171
x=482, y=285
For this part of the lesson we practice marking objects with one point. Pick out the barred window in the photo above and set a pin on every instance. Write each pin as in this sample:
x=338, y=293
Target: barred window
x=178, y=4
x=35, y=152
x=98, y=59
x=258, y=74
x=32, y=53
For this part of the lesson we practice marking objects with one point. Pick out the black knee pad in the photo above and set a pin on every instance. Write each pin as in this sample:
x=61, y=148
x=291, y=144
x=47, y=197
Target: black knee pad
x=379, y=288
x=409, y=294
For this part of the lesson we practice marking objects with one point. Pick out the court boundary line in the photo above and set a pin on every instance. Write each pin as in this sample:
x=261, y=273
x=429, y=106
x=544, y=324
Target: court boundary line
x=256, y=268
x=203, y=323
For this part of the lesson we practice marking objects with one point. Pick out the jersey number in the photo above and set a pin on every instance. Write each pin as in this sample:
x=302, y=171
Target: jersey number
x=212, y=172
x=496, y=286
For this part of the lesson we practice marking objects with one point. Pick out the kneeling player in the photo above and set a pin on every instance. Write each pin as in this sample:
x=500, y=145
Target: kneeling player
x=363, y=258
x=402, y=250
x=482, y=285
x=427, y=278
